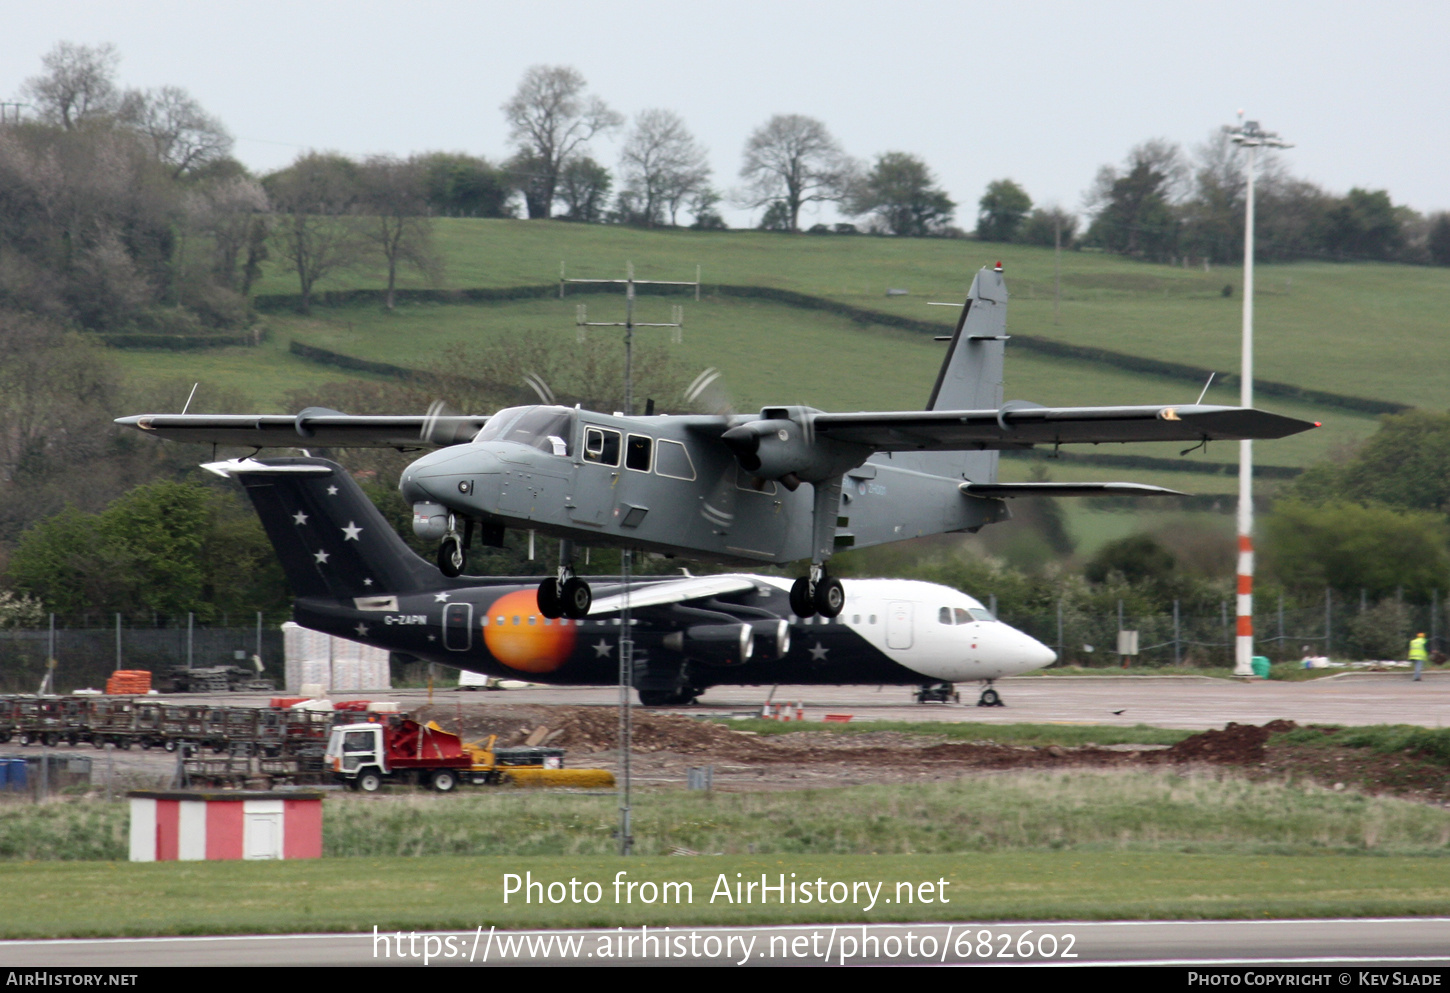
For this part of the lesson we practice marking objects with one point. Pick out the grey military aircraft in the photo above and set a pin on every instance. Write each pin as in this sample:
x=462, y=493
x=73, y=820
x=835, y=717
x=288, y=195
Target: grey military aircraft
x=729, y=487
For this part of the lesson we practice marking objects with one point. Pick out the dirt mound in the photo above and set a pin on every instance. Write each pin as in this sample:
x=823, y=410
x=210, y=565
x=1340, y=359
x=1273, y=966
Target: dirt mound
x=1236, y=744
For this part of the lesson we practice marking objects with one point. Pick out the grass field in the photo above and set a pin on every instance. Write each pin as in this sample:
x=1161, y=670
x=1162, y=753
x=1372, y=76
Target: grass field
x=1362, y=330
x=1349, y=329
x=85, y=899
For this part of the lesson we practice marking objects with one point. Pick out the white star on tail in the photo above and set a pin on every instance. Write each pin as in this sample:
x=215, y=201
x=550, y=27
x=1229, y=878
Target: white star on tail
x=351, y=531
x=332, y=491
x=321, y=557
x=299, y=517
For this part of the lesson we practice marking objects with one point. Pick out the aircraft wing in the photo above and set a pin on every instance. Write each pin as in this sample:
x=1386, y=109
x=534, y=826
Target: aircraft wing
x=658, y=594
x=1021, y=425
x=314, y=427
x=1000, y=490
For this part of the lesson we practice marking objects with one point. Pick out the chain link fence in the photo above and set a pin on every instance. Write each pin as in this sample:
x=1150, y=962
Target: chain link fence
x=87, y=655
x=1343, y=629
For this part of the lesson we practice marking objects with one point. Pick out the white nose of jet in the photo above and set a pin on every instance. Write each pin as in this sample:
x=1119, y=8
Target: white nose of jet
x=1036, y=655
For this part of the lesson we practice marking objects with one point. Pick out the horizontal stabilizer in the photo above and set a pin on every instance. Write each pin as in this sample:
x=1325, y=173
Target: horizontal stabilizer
x=1001, y=490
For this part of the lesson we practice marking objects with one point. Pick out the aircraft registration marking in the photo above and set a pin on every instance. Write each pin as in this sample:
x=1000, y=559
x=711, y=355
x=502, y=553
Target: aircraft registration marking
x=406, y=619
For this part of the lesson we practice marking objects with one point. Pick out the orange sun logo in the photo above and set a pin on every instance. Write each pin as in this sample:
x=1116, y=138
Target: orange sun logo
x=521, y=638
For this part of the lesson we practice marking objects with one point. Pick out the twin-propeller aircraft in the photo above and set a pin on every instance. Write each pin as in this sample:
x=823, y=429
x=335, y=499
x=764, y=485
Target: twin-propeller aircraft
x=729, y=488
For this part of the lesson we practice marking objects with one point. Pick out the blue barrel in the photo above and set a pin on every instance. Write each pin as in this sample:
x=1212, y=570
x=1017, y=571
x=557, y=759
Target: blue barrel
x=17, y=779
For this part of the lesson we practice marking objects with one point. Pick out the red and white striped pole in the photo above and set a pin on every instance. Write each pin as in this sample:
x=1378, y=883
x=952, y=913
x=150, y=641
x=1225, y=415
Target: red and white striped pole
x=1244, y=640
x=1248, y=135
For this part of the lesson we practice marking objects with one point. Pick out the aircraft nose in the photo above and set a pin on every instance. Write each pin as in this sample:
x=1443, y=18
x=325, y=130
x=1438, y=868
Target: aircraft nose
x=1036, y=654
x=438, y=473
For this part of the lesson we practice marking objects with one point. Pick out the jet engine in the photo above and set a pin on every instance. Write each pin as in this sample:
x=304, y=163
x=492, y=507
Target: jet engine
x=714, y=644
x=772, y=639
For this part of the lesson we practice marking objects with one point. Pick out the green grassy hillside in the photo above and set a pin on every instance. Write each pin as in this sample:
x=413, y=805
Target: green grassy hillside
x=1361, y=330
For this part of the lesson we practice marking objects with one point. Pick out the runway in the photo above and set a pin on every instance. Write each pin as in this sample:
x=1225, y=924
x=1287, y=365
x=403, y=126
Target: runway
x=1415, y=944
x=1190, y=702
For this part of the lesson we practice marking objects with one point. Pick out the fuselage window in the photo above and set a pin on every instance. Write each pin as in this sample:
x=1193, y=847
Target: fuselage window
x=601, y=446
x=637, y=454
x=671, y=459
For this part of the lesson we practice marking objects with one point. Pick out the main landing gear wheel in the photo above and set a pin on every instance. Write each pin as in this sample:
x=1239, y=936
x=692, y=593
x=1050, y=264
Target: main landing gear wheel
x=551, y=603
x=989, y=698
x=830, y=597
x=802, y=604
x=450, y=557
x=577, y=598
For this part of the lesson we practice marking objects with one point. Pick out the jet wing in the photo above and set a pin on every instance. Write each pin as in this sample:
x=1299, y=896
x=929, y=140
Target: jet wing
x=1022, y=425
x=658, y=594
x=313, y=428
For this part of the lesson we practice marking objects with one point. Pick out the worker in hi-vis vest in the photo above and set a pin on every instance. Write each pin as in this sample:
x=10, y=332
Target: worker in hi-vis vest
x=1418, y=653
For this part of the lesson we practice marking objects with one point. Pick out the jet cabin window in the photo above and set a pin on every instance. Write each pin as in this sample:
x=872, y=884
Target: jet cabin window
x=601, y=446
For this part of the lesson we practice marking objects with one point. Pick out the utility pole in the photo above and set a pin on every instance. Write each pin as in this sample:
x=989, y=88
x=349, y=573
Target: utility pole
x=626, y=556
x=1248, y=135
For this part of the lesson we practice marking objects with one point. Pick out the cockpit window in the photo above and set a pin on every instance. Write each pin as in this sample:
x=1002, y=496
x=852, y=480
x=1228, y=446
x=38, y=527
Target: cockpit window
x=980, y=615
x=944, y=615
x=549, y=429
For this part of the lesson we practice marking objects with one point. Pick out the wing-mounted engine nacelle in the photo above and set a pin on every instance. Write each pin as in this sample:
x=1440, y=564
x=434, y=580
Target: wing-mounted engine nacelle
x=430, y=521
x=714, y=644
x=772, y=639
x=782, y=445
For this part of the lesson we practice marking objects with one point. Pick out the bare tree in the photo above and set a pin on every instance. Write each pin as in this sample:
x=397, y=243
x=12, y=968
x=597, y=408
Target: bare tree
x=662, y=164
x=792, y=160
x=550, y=119
x=313, y=232
x=78, y=84
x=183, y=135
x=393, y=196
x=234, y=212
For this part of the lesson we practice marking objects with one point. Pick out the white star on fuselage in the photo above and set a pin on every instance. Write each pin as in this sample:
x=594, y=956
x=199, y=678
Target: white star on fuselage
x=603, y=649
x=362, y=630
x=441, y=597
x=332, y=491
x=299, y=517
x=818, y=654
x=351, y=531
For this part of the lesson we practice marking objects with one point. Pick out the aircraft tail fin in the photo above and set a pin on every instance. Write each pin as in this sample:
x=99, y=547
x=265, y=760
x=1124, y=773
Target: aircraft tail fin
x=330, y=538
x=970, y=377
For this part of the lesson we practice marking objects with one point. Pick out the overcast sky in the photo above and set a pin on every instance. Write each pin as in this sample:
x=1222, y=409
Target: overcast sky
x=1043, y=93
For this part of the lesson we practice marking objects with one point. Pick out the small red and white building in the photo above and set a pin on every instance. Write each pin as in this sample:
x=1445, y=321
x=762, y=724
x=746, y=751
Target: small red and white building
x=195, y=825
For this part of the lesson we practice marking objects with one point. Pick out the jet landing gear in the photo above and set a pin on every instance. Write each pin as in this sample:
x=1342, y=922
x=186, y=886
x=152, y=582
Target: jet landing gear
x=938, y=693
x=817, y=593
x=565, y=595
x=990, y=697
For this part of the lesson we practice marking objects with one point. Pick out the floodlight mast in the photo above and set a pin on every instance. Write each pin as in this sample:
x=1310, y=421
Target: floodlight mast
x=1248, y=135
